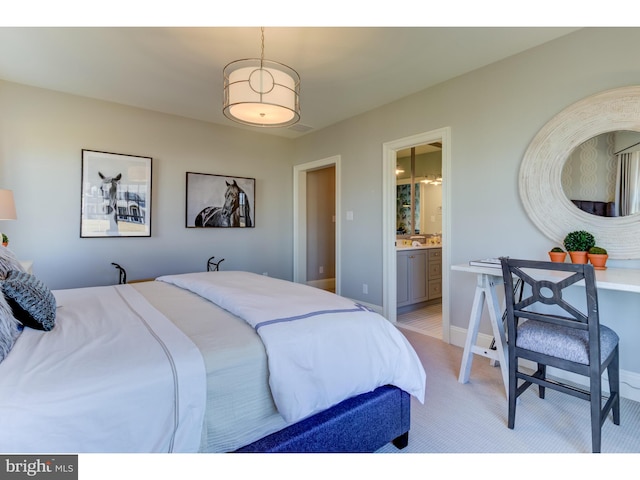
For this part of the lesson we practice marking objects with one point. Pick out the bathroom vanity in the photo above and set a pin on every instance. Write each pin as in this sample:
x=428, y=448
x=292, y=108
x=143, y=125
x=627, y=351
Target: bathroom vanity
x=419, y=270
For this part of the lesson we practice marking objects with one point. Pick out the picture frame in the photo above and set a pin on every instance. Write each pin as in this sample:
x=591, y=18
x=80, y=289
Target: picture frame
x=219, y=201
x=115, y=195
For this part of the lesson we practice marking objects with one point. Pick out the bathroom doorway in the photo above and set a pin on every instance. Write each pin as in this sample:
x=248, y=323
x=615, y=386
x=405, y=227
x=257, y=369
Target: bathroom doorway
x=390, y=224
x=419, y=224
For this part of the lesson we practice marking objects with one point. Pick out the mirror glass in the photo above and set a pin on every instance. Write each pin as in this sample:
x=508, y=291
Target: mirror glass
x=419, y=190
x=600, y=175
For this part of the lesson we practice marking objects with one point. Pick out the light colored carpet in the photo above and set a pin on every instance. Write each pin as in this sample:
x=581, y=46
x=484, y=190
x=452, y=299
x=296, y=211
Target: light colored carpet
x=472, y=417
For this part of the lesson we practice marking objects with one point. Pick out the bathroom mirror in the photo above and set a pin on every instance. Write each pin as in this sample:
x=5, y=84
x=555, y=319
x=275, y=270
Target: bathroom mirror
x=600, y=176
x=541, y=171
x=419, y=190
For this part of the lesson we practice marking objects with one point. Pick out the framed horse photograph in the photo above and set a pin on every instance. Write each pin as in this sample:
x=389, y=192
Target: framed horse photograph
x=215, y=201
x=115, y=195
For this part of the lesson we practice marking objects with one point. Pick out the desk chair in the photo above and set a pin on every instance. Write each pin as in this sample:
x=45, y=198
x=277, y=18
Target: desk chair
x=560, y=334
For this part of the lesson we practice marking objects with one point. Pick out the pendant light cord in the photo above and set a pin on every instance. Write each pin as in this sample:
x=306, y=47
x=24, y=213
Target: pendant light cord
x=262, y=47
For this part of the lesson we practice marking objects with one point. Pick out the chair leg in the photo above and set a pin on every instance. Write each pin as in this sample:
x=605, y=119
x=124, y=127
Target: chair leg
x=596, y=412
x=613, y=372
x=542, y=369
x=513, y=387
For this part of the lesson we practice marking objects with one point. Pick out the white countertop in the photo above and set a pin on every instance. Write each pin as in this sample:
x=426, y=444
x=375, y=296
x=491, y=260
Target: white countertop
x=421, y=247
x=621, y=279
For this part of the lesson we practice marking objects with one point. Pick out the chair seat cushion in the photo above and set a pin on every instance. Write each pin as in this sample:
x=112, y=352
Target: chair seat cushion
x=563, y=342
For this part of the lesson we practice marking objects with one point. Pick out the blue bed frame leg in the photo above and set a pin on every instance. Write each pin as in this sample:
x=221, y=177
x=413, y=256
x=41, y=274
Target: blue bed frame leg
x=361, y=424
x=401, y=441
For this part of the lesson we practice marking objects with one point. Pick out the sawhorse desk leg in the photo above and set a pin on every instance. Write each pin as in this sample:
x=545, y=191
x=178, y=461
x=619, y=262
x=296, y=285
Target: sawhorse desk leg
x=485, y=292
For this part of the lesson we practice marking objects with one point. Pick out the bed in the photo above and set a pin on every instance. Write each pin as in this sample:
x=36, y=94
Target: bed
x=205, y=362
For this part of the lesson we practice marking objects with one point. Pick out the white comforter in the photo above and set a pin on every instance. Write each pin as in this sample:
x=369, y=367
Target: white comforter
x=114, y=375
x=321, y=348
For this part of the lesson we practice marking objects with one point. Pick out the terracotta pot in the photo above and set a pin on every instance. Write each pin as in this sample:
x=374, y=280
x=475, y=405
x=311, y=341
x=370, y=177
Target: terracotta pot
x=578, y=257
x=598, y=260
x=558, y=257
x=5, y=244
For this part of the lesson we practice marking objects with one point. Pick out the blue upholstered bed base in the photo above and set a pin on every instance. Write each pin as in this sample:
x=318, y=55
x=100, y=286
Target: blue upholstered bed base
x=360, y=424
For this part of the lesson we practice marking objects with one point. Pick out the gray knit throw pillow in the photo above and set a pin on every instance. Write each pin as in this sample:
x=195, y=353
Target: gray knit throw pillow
x=32, y=302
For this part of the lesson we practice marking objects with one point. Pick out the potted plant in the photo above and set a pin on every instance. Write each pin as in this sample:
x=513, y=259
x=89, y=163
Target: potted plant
x=556, y=254
x=5, y=240
x=598, y=257
x=578, y=243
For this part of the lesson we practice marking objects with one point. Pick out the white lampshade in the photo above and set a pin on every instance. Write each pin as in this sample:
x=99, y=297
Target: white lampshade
x=261, y=93
x=7, y=205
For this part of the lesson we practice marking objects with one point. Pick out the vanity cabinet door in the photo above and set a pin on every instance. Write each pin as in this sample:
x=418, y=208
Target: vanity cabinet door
x=412, y=285
x=402, y=267
x=418, y=280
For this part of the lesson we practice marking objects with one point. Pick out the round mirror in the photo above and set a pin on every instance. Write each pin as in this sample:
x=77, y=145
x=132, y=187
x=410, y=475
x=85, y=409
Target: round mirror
x=541, y=172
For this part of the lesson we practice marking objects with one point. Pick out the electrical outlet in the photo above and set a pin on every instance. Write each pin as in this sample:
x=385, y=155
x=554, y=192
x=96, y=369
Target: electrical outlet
x=365, y=288
x=266, y=274
x=321, y=270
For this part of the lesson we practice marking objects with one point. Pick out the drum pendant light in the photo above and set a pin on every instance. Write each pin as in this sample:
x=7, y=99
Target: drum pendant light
x=261, y=93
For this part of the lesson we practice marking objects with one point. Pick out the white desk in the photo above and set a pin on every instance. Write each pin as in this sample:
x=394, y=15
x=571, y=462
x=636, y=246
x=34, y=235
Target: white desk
x=621, y=279
x=487, y=279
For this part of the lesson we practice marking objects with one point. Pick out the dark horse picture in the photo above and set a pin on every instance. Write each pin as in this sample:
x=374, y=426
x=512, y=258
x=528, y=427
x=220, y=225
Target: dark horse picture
x=214, y=201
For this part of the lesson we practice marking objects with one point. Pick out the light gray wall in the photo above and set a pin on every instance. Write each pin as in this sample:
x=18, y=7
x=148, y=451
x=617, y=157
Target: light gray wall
x=493, y=114
x=42, y=134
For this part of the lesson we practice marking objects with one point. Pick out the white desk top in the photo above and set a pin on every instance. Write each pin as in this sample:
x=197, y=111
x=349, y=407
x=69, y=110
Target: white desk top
x=621, y=279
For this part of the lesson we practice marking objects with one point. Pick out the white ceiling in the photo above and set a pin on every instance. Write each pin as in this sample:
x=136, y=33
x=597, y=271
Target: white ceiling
x=178, y=70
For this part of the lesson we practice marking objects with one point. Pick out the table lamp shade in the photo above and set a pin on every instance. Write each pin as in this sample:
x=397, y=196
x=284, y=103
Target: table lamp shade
x=7, y=205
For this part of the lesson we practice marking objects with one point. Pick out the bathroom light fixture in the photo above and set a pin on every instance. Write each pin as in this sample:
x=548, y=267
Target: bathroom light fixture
x=262, y=93
x=433, y=180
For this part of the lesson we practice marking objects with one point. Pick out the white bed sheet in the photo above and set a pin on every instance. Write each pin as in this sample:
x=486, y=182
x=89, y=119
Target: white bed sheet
x=103, y=380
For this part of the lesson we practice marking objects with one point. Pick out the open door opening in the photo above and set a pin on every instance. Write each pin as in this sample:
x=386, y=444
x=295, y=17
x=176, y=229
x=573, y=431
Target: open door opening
x=316, y=226
x=390, y=225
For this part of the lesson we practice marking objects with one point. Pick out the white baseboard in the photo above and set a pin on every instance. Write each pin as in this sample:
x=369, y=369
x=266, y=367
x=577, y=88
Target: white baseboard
x=629, y=381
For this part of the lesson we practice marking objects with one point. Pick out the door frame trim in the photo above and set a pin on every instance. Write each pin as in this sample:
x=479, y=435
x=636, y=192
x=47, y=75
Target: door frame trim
x=300, y=217
x=389, y=272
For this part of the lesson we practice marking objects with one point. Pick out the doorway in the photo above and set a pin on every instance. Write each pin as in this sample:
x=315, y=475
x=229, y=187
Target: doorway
x=390, y=152
x=316, y=242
